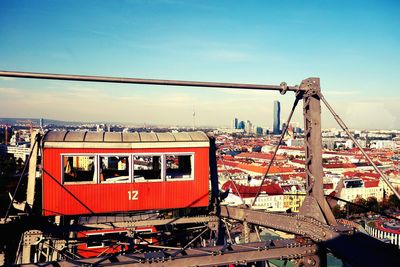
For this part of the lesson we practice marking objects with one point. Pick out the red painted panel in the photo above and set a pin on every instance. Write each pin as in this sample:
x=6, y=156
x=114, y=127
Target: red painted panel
x=104, y=247
x=73, y=199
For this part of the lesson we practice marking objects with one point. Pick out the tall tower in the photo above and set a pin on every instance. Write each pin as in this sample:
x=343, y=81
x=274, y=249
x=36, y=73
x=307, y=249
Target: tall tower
x=194, y=119
x=277, y=117
x=248, y=127
x=235, y=123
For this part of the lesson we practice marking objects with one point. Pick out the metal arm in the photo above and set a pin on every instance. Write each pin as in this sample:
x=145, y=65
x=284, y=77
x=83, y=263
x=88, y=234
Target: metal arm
x=50, y=76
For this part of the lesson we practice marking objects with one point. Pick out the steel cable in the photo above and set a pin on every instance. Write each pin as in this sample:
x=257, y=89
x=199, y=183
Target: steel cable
x=346, y=129
x=299, y=95
x=20, y=178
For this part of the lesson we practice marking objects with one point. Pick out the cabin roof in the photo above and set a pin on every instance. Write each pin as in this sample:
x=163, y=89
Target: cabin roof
x=114, y=138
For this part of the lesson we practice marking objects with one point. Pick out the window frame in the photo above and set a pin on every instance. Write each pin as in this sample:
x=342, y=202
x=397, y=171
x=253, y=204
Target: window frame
x=91, y=246
x=162, y=171
x=130, y=155
x=95, y=179
x=192, y=161
x=130, y=167
x=101, y=237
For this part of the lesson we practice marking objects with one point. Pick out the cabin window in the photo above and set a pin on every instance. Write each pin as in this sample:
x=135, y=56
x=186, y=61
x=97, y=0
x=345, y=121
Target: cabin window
x=114, y=169
x=142, y=240
x=95, y=241
x=179, y=166
x=113, y=238
x=79, y=168
x=104, y=239
x=146, y=168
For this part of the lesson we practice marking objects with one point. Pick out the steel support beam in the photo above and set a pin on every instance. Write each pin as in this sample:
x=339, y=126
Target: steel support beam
x=210, y=256
x=29, y=238
x=111, y=224
x=85, y=78
x=341, y=240
x=246, y=232
x=344, y=243
x=315, y=204
x=295, y=224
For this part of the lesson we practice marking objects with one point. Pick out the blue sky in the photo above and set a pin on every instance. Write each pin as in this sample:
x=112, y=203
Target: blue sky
x=353, y=46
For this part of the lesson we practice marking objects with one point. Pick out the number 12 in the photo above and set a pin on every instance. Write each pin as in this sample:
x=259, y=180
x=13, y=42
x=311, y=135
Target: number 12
x=133, y=195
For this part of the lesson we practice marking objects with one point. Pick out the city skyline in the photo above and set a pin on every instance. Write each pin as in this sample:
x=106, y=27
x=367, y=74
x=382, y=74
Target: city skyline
x=353, y=50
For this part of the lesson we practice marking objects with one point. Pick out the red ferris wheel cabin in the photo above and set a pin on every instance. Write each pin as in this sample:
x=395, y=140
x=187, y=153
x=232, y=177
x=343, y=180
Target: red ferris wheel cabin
x=109, y=172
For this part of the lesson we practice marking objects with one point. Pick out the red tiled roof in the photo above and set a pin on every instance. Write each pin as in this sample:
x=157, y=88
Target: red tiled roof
x=256, y=168
x=293, y=175
x=263, y=170
x=227, y=163
x=328, y=186
x=291, y=148
x=263, y=156
x=392, y=172
x=251, y=191
x=371, y=183
x=300, y=161
x=339, y=165
x=361, y=174
x=231, y=171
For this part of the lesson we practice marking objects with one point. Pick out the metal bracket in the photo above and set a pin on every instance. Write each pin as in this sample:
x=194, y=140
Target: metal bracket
x=284, y=87
x=310, y=86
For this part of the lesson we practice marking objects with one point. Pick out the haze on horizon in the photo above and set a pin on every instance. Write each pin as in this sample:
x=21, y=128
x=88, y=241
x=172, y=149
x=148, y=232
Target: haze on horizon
x=351, y=46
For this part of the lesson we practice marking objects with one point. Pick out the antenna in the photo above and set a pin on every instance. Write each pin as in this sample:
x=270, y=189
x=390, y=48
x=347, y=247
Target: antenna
x=6, y=134
x=194, y=119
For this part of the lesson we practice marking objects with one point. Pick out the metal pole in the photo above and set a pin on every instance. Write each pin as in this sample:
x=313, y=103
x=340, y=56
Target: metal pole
x=315, y=204
x=313, y=140
x=346, y=129
x=50, y=76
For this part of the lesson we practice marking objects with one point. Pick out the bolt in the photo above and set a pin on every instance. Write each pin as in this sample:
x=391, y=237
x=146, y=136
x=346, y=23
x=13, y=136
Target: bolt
x=311, y=261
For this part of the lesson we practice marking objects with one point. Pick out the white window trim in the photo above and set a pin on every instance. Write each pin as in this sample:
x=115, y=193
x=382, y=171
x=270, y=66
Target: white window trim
x=162, y=174
x=99, y=246
x=102, y=235
x=131, y=179
x=130, y=162
x=96, y=169
x=192, y=154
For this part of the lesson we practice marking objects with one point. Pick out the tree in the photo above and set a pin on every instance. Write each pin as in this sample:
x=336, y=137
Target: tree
x=338, y=212
x=358, y=207
x=384, y=204
x=7, y=166
x=394, y=201
x=372, y=204
x=361, y=204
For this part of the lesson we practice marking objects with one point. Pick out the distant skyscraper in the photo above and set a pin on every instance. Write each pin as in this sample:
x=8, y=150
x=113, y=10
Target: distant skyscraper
x=235, y=123
x=248, y=127
x=277, y=117
x=241, y=125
